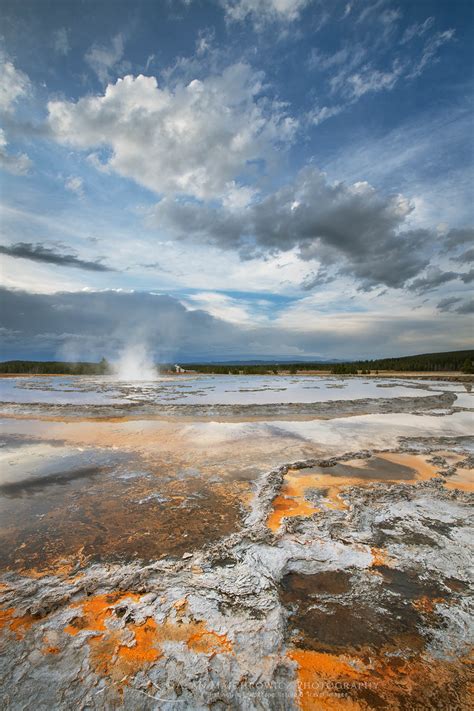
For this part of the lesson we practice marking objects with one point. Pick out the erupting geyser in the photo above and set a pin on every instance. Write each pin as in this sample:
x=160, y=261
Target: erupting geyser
x=135, y=363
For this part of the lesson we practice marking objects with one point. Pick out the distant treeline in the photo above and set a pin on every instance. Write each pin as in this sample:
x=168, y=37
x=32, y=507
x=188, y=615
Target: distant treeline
x=236, y=369
x=450, y=361
x=429, y=362
x=55, y=367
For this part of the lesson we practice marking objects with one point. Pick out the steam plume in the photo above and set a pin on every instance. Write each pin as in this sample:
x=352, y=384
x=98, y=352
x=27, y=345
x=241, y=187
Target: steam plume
x=135, y=363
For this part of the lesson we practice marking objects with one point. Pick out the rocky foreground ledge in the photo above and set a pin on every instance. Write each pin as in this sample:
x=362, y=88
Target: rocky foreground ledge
x=362, y=604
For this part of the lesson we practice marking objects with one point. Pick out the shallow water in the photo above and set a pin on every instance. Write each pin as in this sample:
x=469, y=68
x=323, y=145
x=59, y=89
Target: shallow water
x=203, y=390
x=148, y=488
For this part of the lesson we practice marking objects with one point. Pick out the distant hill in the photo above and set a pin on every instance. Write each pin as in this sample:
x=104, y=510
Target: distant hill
x=269, y=361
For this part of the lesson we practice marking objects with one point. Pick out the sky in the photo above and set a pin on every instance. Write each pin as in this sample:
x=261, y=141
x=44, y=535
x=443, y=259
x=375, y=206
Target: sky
x=236, y=179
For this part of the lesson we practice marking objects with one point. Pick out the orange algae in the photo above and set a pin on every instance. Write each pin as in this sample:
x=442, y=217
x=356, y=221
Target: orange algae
x=319, y=677
x=95, y=610
x=379, y=557
x=332, y=481
x=208, y=642
x=290, y=502
x=327, y=682
x=423, y=470
x=109, y=655
x=195, y=635
x=50, y=650
x=112, y=654
x=19, y=625
x=143, y=651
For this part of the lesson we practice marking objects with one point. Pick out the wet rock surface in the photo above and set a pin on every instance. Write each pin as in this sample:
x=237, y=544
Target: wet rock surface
x=361, y=600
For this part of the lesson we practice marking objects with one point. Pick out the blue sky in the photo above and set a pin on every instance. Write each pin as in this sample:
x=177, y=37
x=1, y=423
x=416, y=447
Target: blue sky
x=242, y=178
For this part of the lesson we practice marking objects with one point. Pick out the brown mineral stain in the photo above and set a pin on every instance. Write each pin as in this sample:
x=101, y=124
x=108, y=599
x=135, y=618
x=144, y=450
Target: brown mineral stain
x=334, y=611
x=450, y=457
x=103, y=657
x=60, y=569
x=296, y=587
x=158, y=490
x=110, y=519
x=329, y=482
x=354, y=652
x=426, y=604
x=5, y=616
x=247, y=499
x=181, y=605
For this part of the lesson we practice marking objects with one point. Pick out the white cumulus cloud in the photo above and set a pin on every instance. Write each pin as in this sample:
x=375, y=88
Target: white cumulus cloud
x=15, y=163
x=194, y=139
x=103, y=59
x=61, y=41
x=75, y=185
x=261, y=11
x=13, y=84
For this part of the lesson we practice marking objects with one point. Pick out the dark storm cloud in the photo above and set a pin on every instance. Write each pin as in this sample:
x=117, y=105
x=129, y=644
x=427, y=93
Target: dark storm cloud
x=314, y=279
x=87, y=325
x=39, y=253
x=466, y=308
x=448, y=303
x=456, y=305
x=351, y=228
x=468, y=277
x=459, y=237
x=465, y=258
x=433, y=279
